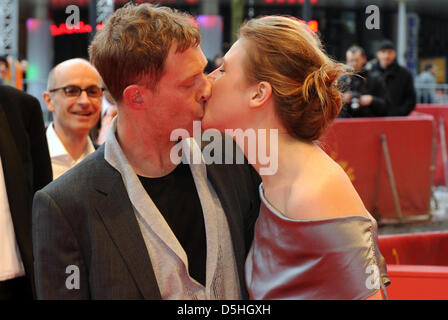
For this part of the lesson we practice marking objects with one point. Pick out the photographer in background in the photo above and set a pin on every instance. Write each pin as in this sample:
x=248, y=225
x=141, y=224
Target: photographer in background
x=364, y=91
x=398, y=80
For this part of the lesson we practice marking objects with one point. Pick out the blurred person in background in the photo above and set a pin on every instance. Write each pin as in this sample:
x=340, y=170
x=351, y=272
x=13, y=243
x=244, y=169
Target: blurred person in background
x=213, y=64
x=364, y=92
x=399, y=82
x=108, y=112
x=218, y=61
x=425, y=82
x=4, y=70
x=25, y=167
x=74, y=94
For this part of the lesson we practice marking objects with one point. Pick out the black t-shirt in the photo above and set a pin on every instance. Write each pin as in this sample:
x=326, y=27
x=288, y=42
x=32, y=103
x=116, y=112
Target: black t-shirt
x=176, y=198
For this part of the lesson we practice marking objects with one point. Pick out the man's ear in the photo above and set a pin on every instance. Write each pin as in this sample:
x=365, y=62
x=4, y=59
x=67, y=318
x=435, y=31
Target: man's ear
x=133, y=96
x=46, y=96
x=260, y=93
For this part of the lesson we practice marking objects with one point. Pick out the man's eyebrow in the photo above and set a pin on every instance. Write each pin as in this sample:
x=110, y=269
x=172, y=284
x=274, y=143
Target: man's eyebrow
x=196, y=73
x=191, y=76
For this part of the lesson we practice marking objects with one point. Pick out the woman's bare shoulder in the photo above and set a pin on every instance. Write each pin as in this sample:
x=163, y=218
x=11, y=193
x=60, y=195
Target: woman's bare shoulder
x=324, y=194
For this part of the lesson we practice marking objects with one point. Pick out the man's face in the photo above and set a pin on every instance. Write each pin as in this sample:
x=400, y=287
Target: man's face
x=356, y=60
x=180, y=94
x=74, y=115
x=433, y=70
x=3, y=70
x=386, y=57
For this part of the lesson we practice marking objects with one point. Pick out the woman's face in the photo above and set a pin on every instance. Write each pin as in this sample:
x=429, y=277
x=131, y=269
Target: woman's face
x=228, y=106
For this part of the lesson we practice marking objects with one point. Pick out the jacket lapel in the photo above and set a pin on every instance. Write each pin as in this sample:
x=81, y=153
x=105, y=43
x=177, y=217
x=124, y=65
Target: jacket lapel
x=232, y=209
x=119, y=219
x=17, y=188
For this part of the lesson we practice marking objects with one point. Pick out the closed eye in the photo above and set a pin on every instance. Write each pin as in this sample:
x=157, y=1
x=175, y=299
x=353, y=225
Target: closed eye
x=190, y=82
x=188, y=85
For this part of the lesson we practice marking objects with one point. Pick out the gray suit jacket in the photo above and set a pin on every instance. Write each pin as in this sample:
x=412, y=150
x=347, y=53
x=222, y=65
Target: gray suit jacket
x=85, y=219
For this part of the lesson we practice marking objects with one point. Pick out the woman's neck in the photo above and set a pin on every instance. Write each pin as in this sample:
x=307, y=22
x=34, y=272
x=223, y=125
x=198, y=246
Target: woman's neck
x=287, y=158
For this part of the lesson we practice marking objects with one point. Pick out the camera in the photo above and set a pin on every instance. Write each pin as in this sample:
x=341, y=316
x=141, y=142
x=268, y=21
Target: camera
x=354, y=104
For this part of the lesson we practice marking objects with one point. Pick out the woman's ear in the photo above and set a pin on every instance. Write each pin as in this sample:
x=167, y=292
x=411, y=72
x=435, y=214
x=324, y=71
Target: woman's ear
x=260, y=93
x=133, y=96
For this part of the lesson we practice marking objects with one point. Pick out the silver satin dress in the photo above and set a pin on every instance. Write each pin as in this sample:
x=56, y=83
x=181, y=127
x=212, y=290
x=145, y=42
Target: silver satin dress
x=334, y=258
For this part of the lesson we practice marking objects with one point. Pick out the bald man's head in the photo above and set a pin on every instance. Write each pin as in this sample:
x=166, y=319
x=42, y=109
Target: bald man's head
x=74, y=95
x=61, y=67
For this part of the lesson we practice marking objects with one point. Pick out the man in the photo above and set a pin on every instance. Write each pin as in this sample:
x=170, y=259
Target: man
x=364, y=91
x=425, y=82
x=4, y=70
x=399, y=82
x=74, y=96
x=128, y=223
x=108, y=112
x=25, y=167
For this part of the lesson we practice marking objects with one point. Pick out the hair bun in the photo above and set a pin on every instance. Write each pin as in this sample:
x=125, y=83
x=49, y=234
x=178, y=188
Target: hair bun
x=283, y=51
x=320, y=81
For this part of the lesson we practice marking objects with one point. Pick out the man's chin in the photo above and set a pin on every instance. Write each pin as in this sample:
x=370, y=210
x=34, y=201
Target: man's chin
x=82, y=130
x=206, y=124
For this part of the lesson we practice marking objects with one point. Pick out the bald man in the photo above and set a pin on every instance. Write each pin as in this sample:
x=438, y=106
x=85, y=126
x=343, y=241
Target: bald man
x=74, y=94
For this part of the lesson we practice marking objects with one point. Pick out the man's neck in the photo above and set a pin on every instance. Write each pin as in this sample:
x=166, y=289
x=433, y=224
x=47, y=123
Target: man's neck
x=74, y=143
x=147, y=152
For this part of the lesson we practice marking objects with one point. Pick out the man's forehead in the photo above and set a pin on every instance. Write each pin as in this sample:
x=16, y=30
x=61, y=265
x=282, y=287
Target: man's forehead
x=188, y=61
x=389, y=51
x=355, y=54
x=75, y=71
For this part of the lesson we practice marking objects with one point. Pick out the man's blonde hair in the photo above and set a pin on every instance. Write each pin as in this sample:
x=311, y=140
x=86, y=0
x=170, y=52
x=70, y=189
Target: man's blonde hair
x=134, y=43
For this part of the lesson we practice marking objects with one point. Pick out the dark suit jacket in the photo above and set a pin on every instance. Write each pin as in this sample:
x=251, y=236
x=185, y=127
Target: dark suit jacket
x=85, y=218
x=25, y=160
x=365, y=82
x=400, y=89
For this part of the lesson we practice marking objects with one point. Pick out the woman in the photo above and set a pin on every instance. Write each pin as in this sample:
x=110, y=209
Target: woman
x=314, y=239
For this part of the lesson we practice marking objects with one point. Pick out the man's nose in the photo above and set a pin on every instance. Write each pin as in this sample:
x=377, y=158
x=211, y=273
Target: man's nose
x=83, y=98
x=206, y=90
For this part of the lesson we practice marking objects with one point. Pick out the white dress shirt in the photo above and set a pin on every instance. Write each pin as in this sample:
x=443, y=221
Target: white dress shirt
x=11, y=265
x=61, y=161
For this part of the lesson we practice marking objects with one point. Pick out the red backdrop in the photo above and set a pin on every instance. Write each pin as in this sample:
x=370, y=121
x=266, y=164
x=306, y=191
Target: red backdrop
x=417, y=265
x=356, y=145
x=438, y=112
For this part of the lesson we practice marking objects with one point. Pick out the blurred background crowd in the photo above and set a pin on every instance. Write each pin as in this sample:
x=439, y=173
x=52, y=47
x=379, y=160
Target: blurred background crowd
x=36, y=34
x=390, y=137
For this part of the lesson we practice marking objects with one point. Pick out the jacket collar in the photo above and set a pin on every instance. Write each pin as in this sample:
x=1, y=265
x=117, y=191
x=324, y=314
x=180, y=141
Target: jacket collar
x=389, y=68
x=117, y=214
x=119, y=218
